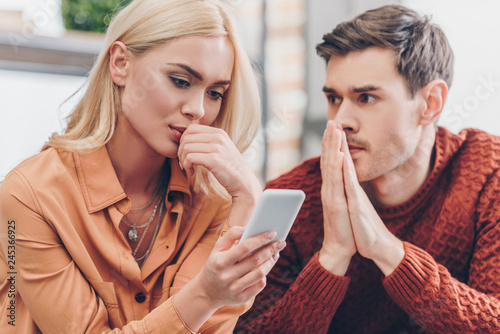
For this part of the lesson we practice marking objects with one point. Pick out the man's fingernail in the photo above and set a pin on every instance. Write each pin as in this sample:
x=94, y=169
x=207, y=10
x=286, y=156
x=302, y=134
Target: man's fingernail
x=276, y=256
x=271, y=235
x=281, y=245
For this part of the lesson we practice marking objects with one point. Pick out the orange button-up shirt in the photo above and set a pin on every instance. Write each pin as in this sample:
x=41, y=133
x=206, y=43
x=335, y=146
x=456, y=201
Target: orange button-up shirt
x=65, y=266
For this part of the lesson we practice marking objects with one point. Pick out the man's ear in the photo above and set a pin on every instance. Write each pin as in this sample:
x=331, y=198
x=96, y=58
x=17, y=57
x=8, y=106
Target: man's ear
x=119, y=63
x=434, y=96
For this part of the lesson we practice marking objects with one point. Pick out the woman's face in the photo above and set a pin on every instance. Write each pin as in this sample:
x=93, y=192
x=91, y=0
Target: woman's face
x=170, y=87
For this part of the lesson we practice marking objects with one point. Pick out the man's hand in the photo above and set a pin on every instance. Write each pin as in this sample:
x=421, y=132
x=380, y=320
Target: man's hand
x=351, y=223
x=373, y=240
x=338, y=244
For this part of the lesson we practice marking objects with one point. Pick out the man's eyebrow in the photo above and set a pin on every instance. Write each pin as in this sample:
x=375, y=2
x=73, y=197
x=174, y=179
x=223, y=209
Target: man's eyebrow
x=328, y=90
x=364, y=89
x=198, y=75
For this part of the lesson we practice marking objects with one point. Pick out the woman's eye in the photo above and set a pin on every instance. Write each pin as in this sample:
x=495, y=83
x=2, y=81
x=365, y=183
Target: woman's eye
x=181, y=83
x=215, y=95
x=366, y=98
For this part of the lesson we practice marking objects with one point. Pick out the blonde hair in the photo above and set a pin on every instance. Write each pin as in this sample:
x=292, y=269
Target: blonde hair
x=143, y=25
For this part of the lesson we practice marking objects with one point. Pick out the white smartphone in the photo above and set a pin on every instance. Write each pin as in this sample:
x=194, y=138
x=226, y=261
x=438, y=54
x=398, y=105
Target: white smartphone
x=275, y=211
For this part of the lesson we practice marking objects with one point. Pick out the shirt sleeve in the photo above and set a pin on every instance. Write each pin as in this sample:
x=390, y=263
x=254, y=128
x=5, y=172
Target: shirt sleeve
x=225, y=318
x=314, y=294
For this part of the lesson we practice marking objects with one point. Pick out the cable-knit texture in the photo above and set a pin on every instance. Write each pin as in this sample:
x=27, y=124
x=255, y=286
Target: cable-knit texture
x=448, y=281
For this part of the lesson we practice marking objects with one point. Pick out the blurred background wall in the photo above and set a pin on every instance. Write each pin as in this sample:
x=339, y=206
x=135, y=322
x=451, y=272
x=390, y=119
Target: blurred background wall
x=42, y=64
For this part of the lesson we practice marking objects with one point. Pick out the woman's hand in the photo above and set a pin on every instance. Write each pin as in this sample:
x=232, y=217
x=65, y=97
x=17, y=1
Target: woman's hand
x=213, y=149
x=233, y=274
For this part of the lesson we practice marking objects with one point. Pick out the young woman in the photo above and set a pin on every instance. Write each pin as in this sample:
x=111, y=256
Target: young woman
x=115, y=225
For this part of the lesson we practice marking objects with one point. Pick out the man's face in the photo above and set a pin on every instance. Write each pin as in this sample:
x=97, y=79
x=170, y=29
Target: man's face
x=369, y=98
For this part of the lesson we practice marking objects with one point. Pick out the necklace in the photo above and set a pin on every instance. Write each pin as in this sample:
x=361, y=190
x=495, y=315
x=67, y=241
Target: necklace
x=158, y=223
x=148, y=204
x=147, y=227
x=133, y=234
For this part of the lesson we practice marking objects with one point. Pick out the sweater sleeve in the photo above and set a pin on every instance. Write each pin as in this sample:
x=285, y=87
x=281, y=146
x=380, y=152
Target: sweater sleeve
x=315, y=295
x=300, y=296
x=437, y=302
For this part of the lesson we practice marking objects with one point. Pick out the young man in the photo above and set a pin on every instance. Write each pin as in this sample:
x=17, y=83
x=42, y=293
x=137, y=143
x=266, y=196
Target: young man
x=400, y=230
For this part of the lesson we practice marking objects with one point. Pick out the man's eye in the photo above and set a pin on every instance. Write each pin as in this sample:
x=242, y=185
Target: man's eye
x=181, y=83
x=332, y=99
x=366, y=98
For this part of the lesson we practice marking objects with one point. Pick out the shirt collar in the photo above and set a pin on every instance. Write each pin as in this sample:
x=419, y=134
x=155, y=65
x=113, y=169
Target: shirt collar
x=178, y=181
x=101, y=187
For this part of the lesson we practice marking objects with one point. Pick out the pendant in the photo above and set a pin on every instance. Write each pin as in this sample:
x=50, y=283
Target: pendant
x=133, y=235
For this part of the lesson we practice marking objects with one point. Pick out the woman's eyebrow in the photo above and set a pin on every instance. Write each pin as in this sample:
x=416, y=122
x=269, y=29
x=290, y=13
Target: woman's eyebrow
x=197, y=74
x=193, y=72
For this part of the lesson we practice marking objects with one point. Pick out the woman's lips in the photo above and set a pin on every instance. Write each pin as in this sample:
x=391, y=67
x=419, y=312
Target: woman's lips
x=177, y=132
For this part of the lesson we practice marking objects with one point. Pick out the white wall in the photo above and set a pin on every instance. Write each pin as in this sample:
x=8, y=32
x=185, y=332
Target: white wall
x=30, y=102
x=30, y=111
x=473, y=29
x=45, y=15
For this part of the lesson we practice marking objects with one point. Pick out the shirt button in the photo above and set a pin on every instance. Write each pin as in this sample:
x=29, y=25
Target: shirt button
x=140, y=297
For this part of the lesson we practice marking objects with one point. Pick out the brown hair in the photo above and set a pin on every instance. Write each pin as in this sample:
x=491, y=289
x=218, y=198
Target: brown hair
x=421, y=49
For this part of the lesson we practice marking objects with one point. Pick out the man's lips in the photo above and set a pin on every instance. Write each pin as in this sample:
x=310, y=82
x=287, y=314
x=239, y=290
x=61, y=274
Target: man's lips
x=355, y=150
x=177, y=132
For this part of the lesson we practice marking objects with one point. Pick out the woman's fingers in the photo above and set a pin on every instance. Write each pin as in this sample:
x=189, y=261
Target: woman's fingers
x=204, y=146
x=250, y=245
x=248, y=254
x=229, y=238
x=234, y=273
x=209, y=161
x=201, y=134
x=258, y=256
x=255, y=280
x=213, y=149
x=248, y=277
x=198, y=128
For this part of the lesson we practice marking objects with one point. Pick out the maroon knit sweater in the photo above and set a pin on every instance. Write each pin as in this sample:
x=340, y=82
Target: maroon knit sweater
x=448, y=281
